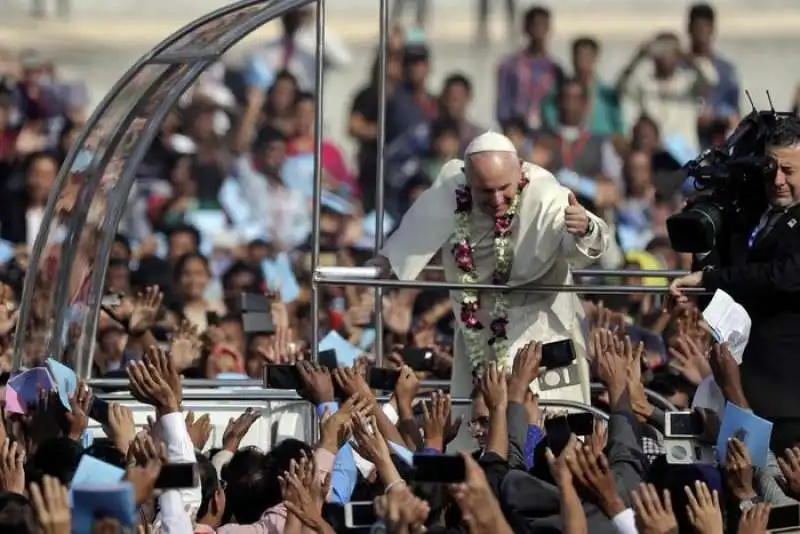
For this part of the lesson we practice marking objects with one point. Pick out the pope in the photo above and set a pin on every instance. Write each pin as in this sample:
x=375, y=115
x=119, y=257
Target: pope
x=500, y=220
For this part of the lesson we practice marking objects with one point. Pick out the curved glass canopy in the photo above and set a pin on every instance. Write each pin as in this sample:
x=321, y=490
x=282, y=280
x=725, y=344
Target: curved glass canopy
x=65, y=279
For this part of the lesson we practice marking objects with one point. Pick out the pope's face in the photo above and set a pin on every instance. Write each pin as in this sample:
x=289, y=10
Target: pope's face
x=493, y=179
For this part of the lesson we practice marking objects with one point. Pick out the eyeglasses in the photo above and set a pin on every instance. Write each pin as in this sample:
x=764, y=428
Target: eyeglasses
x=481, y=421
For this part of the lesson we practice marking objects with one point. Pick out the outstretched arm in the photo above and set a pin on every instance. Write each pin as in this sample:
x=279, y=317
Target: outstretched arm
x=426, y=227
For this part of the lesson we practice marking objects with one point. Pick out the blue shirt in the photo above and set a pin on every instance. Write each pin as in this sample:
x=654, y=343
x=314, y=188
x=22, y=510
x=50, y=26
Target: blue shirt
x=345, y=472
x=535, y=436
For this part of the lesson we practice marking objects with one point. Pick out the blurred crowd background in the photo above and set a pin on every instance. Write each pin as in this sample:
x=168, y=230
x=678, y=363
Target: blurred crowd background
x=222, y=202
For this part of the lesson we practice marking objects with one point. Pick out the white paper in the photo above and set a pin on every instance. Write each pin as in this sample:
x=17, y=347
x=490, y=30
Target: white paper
x=709, y=396
x=729, y=323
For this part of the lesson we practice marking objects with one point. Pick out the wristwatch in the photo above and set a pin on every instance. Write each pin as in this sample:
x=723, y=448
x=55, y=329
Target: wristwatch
x=746, y=504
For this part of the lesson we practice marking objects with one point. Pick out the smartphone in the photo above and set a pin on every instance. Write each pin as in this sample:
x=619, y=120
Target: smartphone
x=99, y=411
x=784, y=518
x=177, y=476
x=111, y=300
x=385, y=379
x=282, y=377
x=212, y=318
x=558, y=354
x=258, y=323
x=581, y=424
x=558, y=432
x=327, y=359
x=161, y=333
x=683, y=425
x=442, y=468
x=360, y=514
x=256, y=302
x=417, y=358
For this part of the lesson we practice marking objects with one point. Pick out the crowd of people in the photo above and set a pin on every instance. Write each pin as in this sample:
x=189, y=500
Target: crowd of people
x=222, y=206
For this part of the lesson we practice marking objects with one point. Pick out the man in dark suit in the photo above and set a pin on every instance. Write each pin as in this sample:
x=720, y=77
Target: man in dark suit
x=768, y=286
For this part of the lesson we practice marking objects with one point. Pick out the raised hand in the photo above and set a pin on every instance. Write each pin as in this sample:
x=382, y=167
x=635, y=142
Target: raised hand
x=371, y=444
x=238, y=428
x=690, y=360
x=78, y=418
x=51, y=502
x=590, y=470
x=436, y=418
x=790, y=468
x=144, y=479
x=121, y=428
x=337, y=428
x=185, y=345
x=479, y=507
x=304, y=492
x=199, y=430
x=145, y=309
x=739, y=470
x=754, y=520
x=402, y=511
x=148, y=385
x=406, y=389
x=350, y=382
x=609, y=362
x=576, y=220
x=653, y=515
x=703, y=509
x=559, y=465
x=317, y=383
x=526, y=369
x=494, y=387
x=12, y=468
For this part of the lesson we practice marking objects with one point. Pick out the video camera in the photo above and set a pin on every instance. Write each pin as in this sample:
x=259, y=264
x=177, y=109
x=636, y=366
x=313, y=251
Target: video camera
x=730, y=180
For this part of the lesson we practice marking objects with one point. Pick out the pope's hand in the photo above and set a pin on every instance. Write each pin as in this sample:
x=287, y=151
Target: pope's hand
x=576, y=220
x=690, y=280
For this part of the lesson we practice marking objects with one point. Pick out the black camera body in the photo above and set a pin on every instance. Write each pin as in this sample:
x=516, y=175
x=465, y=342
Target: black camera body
x=730, y=180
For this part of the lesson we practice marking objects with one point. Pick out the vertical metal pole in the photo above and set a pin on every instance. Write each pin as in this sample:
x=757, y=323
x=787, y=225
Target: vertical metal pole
x=318, y=115
x=383, y=59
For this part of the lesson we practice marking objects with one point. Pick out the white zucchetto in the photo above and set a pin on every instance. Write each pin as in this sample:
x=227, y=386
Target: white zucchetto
x=490, y=142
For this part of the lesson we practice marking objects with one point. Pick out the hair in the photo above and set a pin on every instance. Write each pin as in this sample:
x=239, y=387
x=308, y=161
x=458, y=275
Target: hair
x=123, y=240
x=184, y=260
x=57, y=457
x=442, y=127
x=515, y=123
x=209, y=483
x=305, y=96
x=785, y=133
x=17, y=516
x=701, y=12
x=184, y=229
x=248, y=486
x=238, y=268
x=566, y=82
x=534, y=13
x=457, y=79
x=585, y=42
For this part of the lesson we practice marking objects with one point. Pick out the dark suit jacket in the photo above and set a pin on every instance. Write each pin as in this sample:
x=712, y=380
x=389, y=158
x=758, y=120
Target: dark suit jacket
x=768, y=286
x=533, y=505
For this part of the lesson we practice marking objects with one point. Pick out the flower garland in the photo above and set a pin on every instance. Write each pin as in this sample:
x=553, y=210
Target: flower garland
x=470, y=300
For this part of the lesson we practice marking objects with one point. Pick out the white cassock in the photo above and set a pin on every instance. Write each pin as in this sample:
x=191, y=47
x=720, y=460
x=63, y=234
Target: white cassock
x=544, y=253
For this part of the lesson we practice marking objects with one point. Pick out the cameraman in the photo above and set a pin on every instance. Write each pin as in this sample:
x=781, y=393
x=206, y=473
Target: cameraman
x=768, y=286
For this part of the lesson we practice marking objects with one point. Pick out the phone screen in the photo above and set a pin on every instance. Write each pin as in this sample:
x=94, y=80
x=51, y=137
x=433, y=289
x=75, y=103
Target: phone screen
x=784, y=517
x=177, y=476
x=256, y=302
x=282, y=377
x=327, y=359
x=558, y=354
x=558, y=432
x=581, y=424
x=359, y=514
x=419, y=359
x=444, y=468
x=258, y=323
x=684, y=424
x=111, y=300
x=99, y=411
x=385, y=379
x=212, y=318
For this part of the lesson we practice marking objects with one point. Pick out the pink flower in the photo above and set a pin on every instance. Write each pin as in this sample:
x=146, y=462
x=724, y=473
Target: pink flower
x=498, y=328
x=470, y=320
x=463, y=256
x=463, y=200
x=502, y=225
x=523, y=182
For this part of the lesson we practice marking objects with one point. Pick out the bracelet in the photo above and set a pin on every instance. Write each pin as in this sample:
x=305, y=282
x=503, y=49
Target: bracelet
x=392, y=485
